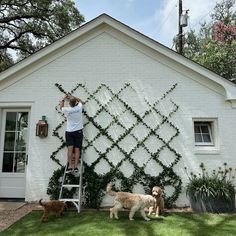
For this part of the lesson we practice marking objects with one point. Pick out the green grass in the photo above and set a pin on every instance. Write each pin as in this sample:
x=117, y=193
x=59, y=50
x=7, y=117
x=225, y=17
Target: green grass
x=98, y=223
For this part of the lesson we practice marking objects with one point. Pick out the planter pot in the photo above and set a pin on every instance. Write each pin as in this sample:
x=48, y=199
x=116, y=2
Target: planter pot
x=213, y=205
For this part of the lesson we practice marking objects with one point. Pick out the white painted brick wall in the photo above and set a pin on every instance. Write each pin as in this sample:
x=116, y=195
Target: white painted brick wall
x=106, y=59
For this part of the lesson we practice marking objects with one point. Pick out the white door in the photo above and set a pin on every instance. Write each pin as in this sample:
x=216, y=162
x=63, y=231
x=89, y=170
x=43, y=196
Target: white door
x=13, y=153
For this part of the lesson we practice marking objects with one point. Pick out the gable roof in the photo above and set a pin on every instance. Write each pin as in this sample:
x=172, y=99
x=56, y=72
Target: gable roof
x=230, y=88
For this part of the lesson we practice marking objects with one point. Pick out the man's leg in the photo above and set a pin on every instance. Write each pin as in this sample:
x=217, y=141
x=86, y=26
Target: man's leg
x=70, y=153
x=78, y=146
x=77, y=156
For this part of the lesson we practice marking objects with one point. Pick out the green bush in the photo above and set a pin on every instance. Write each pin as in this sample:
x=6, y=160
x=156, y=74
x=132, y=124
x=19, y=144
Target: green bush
x=216, y=184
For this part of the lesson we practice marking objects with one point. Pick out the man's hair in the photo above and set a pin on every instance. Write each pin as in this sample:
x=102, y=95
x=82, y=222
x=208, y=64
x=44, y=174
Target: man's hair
x=72, y=101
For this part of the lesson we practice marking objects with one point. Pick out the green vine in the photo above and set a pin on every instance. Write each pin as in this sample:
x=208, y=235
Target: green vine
x=94, y=183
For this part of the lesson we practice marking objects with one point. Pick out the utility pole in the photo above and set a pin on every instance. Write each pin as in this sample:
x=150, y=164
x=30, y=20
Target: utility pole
x=180, y=35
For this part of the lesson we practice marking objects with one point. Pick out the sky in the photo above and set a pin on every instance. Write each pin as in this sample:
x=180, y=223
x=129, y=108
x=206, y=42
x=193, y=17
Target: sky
x=157, y=19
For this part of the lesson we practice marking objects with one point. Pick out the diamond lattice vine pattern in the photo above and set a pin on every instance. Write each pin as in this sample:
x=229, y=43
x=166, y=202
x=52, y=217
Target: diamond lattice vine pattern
x=127, y=138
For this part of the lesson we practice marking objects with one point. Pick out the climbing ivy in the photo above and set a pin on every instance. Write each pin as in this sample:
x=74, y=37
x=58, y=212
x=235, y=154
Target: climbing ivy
x=94, y=183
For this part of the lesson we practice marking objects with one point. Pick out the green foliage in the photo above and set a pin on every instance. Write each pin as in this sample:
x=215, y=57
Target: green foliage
x=224, y=11
x=5, y=60
x=95, y=184
x=28, y=25
x=214, y=46
x=218, y=57
x=217, y=184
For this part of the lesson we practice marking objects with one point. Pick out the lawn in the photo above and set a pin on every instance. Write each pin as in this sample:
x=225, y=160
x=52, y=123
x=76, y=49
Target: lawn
x=98, y=223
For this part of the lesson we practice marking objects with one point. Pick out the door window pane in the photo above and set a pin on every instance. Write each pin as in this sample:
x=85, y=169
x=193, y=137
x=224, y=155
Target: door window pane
x=19, y=165
x=9, y=141
x=20, y=142
x=22, y=120
x=8, y=159
x=11, y=121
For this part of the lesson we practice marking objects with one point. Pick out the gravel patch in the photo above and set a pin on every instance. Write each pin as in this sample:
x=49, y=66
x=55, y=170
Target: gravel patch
x=9, y=217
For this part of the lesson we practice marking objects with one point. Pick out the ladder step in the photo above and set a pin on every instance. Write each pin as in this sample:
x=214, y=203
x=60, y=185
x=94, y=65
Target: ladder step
x=69, y=200
x=71, y=185
x=72, y=172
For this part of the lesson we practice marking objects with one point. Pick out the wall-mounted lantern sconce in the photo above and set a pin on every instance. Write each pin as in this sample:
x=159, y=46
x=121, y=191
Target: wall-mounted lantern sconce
x=42, y=128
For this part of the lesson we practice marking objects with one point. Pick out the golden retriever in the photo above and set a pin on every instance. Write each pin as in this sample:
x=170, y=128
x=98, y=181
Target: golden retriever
x=131, y=201
x=53, y=205
x=159, y=204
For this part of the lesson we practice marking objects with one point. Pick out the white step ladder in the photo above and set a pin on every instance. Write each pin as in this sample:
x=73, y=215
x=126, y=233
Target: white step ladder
x=75, y=201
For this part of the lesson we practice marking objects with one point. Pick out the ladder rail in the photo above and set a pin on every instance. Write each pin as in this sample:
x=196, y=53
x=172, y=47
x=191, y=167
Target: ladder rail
x=77, y=201
x=81, y=184
x=63, y=179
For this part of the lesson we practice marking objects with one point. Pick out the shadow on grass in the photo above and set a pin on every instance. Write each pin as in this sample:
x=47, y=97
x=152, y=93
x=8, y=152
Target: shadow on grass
x=86, y=223
x=196, y=224
x=98, y=223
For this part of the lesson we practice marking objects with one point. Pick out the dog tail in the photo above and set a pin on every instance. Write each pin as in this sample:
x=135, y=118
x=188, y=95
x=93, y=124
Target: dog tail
x=109, y=191
x=40, y=202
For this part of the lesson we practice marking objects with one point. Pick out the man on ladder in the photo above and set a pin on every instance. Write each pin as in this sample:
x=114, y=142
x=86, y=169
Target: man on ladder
x=74, y=138
x=74, y=129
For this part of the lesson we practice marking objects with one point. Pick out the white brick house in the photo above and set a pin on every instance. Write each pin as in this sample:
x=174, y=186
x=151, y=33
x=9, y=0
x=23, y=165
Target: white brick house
x=107, y=52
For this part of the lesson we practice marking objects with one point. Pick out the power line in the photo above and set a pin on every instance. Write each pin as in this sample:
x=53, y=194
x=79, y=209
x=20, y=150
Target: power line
x=166, y=18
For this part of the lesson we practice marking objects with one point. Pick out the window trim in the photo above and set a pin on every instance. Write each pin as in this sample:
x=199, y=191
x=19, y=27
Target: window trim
x=207, y=149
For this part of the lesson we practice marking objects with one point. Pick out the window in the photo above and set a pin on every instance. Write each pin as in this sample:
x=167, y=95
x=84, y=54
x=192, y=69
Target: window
x=15, y=136
x=203, y=133
x=206, y=136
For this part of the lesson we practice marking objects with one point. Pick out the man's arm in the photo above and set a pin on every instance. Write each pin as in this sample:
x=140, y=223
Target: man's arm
x=62, y=102
x=79, y=100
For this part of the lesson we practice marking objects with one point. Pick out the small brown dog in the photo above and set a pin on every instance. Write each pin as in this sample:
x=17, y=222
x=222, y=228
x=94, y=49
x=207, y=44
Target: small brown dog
x=53, y=205
x=159, y=205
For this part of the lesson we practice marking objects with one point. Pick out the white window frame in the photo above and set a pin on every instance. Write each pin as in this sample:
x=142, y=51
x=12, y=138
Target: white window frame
x=209, y=126
x=207, y=147
x=3, y=121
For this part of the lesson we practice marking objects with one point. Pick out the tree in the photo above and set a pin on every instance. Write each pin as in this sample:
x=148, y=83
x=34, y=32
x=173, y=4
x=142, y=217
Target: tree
x=215, y=45
x=29, y=25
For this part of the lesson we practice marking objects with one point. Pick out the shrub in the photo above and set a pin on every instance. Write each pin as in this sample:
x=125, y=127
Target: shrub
x=215, y=184
x=212, y=192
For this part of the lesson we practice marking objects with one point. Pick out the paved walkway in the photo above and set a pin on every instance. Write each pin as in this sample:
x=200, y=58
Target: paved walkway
x=12, y=211
x=8, y=205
